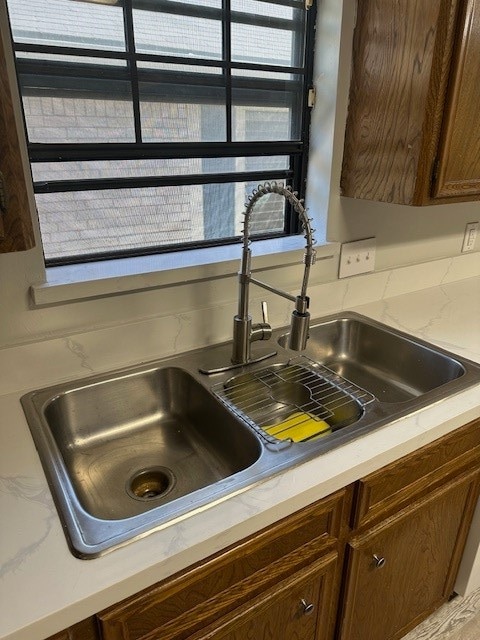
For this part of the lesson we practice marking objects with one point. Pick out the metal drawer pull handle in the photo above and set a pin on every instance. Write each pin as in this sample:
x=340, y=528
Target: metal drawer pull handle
x=307, y=607
x=379, y=561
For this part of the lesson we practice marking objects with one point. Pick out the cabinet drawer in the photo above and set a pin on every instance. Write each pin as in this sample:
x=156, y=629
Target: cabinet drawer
x=300, y=607
x=392, y=487
x=191, y=600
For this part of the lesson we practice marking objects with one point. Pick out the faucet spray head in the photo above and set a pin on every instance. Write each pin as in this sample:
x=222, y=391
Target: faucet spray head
x=300, y=324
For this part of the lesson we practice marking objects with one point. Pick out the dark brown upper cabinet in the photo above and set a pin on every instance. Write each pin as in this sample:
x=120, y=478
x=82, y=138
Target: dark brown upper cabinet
x=413, y=127
x=16, y=232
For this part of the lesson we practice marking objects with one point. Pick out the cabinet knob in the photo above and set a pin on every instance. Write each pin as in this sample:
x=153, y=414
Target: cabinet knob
x=379, y=561
x=308, y=607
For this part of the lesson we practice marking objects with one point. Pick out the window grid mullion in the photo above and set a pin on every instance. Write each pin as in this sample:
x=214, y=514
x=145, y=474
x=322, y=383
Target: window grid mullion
x=132, y=65
x=100, y=184
x=148, y=57
x=227, y=56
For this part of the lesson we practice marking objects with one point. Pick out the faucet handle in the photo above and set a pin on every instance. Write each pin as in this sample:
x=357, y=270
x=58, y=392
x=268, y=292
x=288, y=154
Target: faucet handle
x=265, y=312
x=261, y=330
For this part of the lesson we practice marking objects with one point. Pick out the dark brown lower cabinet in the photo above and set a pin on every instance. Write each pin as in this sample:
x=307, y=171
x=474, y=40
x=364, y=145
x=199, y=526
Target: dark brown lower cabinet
x=404, y=568
x=368, y=562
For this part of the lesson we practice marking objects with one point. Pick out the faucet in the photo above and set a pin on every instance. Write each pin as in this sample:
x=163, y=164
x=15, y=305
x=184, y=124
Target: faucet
x=244, y=331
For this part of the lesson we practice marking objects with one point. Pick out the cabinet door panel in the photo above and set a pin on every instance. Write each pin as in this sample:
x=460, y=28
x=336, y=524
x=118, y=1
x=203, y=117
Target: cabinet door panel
x=395, y=45
x=279, y=614
x=421, y=547
x=459, y=156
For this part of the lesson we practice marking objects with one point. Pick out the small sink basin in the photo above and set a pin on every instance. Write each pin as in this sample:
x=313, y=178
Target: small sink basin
x=117, y=447
x=271, y=395
x=390, y=365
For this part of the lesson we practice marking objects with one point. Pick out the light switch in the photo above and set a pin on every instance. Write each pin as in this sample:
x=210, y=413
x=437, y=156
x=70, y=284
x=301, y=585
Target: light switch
x=357, y=257
x=470, y=236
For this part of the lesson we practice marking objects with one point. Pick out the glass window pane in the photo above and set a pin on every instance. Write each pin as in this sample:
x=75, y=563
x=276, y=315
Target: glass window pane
x=101, y=112
x=86, y=222
x=261, y=123
x=269, y=9
x=177, y=35
x=262, y=45
x=49, y=171
x=266, y=75
x=55, y=57
x=177, y=112
x=274, y=35
x=266, y=114
x=67, y=23
x=214, y=4
x=185, y=69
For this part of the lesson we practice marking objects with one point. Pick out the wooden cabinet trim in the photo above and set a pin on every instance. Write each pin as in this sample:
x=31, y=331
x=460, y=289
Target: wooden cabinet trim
x=461, y=108
x=401, y=482
x=84, y=630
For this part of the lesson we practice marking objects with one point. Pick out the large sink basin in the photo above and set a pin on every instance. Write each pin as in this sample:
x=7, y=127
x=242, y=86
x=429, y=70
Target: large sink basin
x=137, y=441
x=121, y=445
x=392, y=366
x=131, y=451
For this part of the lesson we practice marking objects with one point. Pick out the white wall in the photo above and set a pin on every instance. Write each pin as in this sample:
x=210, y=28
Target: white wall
x=404, y=235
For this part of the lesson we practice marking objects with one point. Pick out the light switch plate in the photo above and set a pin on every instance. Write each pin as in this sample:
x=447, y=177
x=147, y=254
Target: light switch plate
x=357, y=257
x=469, y=236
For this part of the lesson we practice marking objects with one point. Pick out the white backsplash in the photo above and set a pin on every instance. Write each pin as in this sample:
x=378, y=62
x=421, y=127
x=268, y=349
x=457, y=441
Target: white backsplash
x=102, y=349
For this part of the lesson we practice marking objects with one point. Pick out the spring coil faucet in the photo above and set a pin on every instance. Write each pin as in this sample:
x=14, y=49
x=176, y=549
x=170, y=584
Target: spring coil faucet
x=244, y=331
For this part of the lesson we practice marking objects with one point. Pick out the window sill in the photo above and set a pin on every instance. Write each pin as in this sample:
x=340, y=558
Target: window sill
x=128, y=275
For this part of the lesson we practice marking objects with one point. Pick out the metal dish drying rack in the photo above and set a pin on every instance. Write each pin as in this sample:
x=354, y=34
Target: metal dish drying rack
x=269, y=396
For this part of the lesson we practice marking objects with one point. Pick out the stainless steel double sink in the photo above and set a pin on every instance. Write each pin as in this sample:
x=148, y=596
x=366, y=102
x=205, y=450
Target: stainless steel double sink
x=129, y=452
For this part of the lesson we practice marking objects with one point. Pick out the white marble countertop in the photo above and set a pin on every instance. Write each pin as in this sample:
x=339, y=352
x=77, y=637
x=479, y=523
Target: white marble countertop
x=44, y=589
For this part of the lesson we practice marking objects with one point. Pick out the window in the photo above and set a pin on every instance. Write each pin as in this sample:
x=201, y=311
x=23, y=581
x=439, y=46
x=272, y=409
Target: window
x=149, y=121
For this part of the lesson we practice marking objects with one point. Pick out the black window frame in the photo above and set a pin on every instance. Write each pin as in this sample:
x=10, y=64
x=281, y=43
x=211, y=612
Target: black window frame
x=296, y=150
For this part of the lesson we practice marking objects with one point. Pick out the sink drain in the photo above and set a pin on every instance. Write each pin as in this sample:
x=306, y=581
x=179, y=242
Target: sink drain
x=151, y=483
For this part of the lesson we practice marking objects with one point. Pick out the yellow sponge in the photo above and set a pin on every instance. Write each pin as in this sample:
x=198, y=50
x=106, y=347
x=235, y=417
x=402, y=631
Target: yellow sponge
x=299, y=426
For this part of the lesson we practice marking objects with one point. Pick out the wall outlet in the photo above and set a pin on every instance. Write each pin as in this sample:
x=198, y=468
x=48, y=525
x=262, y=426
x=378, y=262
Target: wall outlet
x=470, y=236
x=357, y=257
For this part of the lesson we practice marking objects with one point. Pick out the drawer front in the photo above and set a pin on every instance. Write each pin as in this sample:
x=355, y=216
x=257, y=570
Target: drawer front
x=196, y=597
x=300, y=607
x=392, y=487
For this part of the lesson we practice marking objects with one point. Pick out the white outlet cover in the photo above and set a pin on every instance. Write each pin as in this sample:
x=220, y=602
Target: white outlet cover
x=470, y=236
x=357, y=257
